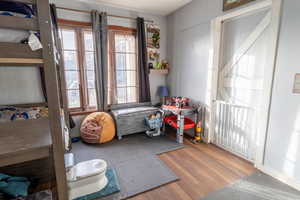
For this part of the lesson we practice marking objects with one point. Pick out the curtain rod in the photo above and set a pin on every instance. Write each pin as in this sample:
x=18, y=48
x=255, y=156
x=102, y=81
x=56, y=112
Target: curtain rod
x=116, y=16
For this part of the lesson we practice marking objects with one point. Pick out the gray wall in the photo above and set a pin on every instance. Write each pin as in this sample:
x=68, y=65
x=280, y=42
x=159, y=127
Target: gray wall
x=283, y=144
x=189, y=49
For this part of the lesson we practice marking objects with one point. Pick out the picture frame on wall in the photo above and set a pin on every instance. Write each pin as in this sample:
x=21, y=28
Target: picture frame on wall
x=230, y=4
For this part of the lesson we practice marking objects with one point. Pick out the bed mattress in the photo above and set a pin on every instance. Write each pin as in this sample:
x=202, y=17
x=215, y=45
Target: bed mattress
x=12, y=35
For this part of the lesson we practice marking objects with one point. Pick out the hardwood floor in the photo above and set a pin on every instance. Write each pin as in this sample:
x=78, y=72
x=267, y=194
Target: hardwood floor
x=202, y=169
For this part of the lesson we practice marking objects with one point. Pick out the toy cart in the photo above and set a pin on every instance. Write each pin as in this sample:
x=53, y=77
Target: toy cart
x=154, y=124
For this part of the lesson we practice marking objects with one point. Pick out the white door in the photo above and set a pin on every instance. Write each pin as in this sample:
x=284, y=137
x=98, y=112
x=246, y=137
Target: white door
x=242, y=68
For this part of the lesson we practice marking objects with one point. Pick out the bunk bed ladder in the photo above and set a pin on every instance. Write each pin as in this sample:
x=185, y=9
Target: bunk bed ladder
x=53, y=94
x=61, y=67
x=35, y=146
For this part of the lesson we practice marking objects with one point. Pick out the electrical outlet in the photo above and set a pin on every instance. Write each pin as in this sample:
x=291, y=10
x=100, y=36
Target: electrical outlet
x=296, y=89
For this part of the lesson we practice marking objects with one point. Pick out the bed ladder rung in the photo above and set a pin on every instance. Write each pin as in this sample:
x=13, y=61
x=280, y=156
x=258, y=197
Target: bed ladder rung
x=17, y=50
x=13, y=22
x=21, y=62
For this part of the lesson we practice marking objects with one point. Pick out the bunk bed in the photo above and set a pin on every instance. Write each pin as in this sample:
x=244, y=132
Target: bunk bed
x=34, y=139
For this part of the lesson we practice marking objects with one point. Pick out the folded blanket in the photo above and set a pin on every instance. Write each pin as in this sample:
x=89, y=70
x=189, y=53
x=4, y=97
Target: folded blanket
x=43, y=195
x=14, y=186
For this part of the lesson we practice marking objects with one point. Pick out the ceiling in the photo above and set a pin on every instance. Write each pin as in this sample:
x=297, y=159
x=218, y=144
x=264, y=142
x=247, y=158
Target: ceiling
x=158, y=7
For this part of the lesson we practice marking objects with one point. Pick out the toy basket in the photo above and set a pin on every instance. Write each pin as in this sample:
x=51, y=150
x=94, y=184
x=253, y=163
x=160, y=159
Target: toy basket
x=154, y=123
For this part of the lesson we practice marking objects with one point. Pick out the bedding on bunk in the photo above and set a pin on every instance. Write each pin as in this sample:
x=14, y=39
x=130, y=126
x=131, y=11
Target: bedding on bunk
x=19, y=10
x=17, y=7
x=12, y=113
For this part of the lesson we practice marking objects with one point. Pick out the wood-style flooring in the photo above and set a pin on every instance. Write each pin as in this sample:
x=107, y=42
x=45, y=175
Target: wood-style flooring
x=202, y=169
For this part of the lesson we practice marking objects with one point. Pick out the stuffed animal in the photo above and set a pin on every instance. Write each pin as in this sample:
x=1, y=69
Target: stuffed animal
x=19, y=116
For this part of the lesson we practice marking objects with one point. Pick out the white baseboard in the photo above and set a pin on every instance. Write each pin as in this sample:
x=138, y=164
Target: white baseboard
x=279, y=176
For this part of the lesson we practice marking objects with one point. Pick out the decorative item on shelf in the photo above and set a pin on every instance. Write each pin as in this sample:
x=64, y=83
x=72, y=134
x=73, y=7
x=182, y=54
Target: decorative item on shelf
x=150, y=65
x=153, y=36
x=230, y=4
x=164, y=64
x=153, y=54
x=163, y=92
x=158, y=65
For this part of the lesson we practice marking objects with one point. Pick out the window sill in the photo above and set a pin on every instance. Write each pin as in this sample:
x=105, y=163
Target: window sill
x=78, y=113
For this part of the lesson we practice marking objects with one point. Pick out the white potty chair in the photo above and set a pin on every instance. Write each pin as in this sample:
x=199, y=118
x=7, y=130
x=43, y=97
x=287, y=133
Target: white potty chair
x=86, y=177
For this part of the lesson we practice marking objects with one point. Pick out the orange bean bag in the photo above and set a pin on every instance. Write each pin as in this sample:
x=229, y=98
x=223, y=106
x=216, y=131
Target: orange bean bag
x=98, y=127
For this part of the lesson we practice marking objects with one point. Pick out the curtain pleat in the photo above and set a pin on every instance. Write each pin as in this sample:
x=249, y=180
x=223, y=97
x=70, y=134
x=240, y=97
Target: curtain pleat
x=144, y=84
x=99, y=25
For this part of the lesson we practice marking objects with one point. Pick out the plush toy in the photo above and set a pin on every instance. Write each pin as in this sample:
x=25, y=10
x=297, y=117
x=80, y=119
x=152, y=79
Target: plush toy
x=19, y=116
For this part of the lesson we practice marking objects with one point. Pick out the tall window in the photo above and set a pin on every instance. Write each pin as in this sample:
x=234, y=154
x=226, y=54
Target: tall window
x=78, y=52
x=123, y=85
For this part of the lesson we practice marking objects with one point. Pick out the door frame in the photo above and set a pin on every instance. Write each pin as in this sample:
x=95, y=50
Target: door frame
x=217, y=45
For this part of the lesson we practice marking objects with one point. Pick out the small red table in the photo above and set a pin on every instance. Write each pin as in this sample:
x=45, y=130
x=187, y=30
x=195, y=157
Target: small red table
x=178, y=120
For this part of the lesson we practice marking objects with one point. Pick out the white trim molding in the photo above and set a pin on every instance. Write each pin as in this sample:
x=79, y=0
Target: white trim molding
x=279, y=176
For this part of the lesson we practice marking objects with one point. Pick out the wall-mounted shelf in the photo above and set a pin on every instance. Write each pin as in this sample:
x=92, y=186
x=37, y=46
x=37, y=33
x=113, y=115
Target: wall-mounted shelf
x=159, y=71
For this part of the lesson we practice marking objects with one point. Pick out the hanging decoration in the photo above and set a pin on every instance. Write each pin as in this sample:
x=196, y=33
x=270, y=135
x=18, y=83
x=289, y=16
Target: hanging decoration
x=153, y=36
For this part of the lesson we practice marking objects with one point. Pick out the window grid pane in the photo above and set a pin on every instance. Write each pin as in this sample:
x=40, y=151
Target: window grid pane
x=72, y=79
x=69, y=39
x=92, y=97
x=76, y=71
x=70, y=60
x=73, y=98
x=88, y=41
x=126, y=71
x=89, y=60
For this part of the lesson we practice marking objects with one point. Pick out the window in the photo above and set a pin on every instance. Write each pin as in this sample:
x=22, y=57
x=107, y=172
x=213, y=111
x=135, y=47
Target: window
x=78, y=52
x=123, y=85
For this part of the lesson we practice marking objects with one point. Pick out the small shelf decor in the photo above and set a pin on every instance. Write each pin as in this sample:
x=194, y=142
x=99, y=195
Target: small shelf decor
x=159, y=71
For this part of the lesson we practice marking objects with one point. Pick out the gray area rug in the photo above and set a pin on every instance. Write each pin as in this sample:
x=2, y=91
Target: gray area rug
x=135, y=159
x=258, y=186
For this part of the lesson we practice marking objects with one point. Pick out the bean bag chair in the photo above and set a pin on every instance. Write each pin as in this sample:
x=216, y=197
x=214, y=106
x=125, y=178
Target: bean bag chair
x=98, y=127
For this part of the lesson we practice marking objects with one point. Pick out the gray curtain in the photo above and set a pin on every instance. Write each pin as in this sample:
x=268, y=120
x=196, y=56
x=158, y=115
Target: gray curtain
x=144, y=85
x=99, y=25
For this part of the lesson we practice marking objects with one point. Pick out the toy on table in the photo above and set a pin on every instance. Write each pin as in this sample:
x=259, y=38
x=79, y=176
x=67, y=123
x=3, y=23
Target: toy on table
x=178, y=102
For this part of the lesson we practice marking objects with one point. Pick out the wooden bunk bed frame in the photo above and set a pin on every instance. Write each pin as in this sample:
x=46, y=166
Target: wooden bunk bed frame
x=30, y=140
